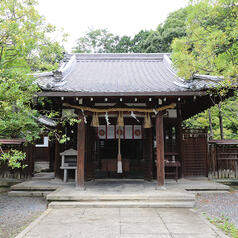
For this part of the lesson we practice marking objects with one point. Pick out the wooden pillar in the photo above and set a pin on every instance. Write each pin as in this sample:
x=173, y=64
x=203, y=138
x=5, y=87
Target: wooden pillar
x=90, y=153
x=147, y=154
x=179, y=138
x=180, y=145
x=81, y=152
x=29, y=149
x=160, y=148
x=57, y=161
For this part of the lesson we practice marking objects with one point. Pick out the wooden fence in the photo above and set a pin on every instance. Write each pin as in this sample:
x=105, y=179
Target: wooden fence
x=17, y=173
x=223, y=159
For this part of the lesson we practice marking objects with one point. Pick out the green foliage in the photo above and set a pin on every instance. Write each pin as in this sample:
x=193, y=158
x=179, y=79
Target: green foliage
x=138, y=40
x=123, y=45
x=25, y=41
x=230, y=119
x=210, y=45
x=16, y=119
x=160, y=40
x=154, y=41
x=68, y=119
x=14, y=158
x=25, y=46
x=97, y=41
x=224, y=224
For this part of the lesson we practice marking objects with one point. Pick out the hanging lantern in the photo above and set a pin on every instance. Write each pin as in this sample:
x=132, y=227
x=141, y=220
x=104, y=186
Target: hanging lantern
x=95, y=120
x=120, y=121
x=147, y=121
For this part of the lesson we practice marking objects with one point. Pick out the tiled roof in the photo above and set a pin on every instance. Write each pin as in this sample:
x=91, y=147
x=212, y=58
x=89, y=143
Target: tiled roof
x=118, y=74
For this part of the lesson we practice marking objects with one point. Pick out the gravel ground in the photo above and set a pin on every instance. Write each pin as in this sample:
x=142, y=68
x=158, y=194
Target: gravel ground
x=218, y=204
x=17, y=212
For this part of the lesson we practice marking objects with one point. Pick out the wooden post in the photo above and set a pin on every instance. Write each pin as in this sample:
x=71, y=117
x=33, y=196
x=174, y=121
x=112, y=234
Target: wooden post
x=57, y=159
x=81, y=152
x=160, y=149
x=221, y=122
x=147, y=154
x=179, y=138
x=210, y=124
x=29, y=149
x=89, y=155
x=179, y=141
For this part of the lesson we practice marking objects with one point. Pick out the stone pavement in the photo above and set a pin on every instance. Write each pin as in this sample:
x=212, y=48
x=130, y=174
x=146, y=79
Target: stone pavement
x=120, y=223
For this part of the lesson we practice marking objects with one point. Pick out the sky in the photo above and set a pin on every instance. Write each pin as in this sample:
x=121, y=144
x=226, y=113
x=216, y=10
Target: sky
x=121, y=17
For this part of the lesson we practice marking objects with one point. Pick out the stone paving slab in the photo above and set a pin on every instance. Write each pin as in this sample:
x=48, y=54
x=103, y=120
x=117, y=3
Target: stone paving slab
x=121, y=223
x=199, y=184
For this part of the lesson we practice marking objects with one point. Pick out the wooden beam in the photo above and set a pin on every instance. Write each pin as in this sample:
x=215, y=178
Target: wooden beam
x=81, y=152
x=160, y=148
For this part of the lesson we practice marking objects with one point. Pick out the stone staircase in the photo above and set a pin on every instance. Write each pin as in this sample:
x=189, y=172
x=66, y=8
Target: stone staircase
x=39, y=187
x=116, y=193
x=64, y=198
x=23, y=191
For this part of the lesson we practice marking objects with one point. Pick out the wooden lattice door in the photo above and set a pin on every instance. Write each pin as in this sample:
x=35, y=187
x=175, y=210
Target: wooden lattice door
x=194, y=152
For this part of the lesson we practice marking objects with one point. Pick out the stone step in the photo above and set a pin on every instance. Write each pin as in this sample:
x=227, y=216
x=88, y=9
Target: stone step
x=162, y=196
x=29, y=188
x=126, y=204
x=28, y=193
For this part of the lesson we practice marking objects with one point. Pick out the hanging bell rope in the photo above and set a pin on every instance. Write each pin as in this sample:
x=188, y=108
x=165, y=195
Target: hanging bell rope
x=147, y=121
x=119, y=159
x=95, y=120
x=101, y=110
x=120, y=120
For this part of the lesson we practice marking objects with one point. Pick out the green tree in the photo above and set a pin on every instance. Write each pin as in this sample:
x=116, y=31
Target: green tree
x=153, y=41
x=25, y=46
x=25, y=41
x=160, y=40
x=230, y=121
x=210, y=47
x=97, y=41
x=123, y=45
x=173, y=27
x=138, y=41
